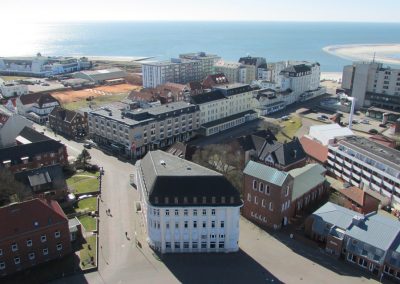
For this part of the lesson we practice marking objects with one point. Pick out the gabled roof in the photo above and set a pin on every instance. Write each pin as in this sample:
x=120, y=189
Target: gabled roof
x=166, y=175
x=283, y=154
x=50, y=175
x=314, y=149
x=30, y=135
x=265, y=173
x=20, y=218
x=375, y=229
x=306, y=178
x=208, y=97
x=63, y=114
x=298, y=68
x=256, y=140
x=15, y=153
x=39, y=98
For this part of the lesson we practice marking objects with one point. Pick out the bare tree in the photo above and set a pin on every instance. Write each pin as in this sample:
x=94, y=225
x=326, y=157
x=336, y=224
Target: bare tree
x=10, y=189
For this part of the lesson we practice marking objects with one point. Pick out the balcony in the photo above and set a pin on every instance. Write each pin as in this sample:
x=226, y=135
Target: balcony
x=367, y=174
x=377, y=179
x=340, y=160
x=347, y=164
x=331, y=163
x=356, y=176
x=347, y=171
x=387, y=184
x=386, y=193
x=375, y=187
x=346, y=178
x=357, y=169
x=331, y=155
x=338, y=167
x=355, y=183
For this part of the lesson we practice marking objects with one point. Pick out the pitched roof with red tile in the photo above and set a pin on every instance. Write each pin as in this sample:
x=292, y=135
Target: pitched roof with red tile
x=314, y=149
x=27, y=216
x=354, y=193
x=383, y=140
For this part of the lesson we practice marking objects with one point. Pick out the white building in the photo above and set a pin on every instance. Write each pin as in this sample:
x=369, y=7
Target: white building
x=206, y=61
x=36, y=107
x=327, y=134
x=301, y=77
x=224, y=107
x=236, y=72
x=103, y=76
x=42, y=66
x=367, y=165
x=187, y=208
x=13, y=89
x=11, y=125
x=372, y=85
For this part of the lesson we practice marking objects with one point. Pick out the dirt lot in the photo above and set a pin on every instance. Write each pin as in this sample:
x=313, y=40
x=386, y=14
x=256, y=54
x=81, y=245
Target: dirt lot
x=74, y=96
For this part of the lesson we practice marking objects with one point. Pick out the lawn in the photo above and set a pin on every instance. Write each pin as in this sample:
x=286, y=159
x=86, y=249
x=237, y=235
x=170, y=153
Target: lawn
x=97, y=101
x=88, y=252
x=88, y=222
x=13, y=78
x=87, y=204
x=84, y=182
x=289, y=128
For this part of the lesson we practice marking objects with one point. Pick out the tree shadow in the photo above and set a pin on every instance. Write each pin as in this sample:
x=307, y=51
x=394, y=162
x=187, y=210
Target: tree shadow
x=217, y=268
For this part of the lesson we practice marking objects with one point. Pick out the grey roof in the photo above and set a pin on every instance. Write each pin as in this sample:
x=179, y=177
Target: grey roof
x=283, y=154
x=32, y=135
x=306, y=178
x=375, y=229
x=233, y=88
x=105, y=74
x=376, y=151
x=228, y=118
x=208, y=97
x=333, y=214
x=265, y=173
x=166, y=175
x=255, y=140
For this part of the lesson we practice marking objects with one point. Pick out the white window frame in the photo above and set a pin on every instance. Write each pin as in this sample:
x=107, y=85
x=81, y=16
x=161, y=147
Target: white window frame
x=263, y=203
x=15, y=260
x=29, y=243
x=167, y=212
x=213, y=212
x=57, y=234
x=45, y=251
x=248, y=197
x=287, y=191
x=59, y=247
x=270, y=207
x=2, y=265
x=14, y=247
x=266, y=190
x=254, y=184
x=31, y=256
x=261, y=187
x=43, y=238
x=255, y=200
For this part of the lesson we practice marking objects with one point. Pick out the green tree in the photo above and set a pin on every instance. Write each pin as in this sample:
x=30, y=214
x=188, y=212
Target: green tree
x=83, y=159
x=10, y=189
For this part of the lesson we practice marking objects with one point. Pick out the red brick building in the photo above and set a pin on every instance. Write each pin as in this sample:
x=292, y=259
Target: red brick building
x=32, y=232
x=69, y=123
x=272, y=197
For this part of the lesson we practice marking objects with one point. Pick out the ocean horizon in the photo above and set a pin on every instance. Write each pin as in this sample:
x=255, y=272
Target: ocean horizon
x=276, y=41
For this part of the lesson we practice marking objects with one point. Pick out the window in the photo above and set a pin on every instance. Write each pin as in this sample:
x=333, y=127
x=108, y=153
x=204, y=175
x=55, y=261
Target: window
x=186, y=224
x=176, y=212
x=213, y=212
x=2, y=265
x=351, y=257
x=255, y=200
x=43, y=238
x=195, y=212
x=168, y=245
x=222, y=224
x=287, y=191
x=212, y=224
x=362, y=262
x=14, y=247
x=254, y=184
x=212, y=245
x=248, y=197
x=203, y=245
x=185, y=212
x=271, y=208
x=176, y=225
x=45, y=251
x=167, y=212
x=57, y=234
x=221, y=245
x=194, y=224
x=267, y=190
x=31, y=256
x=59, y=247
x=177, y=245
x=204, y=212
x=29, y=243
x=204, y=224
x=263, y=203
x=194, y=245
x=1, y=252
x=261, y=187
x=17, y=260
x=186, y=245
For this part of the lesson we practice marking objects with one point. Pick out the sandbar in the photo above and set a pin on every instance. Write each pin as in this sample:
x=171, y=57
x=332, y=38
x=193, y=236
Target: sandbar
x=384, y=53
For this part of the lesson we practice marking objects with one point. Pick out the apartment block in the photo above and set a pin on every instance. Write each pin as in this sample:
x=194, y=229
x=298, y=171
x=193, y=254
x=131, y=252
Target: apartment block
x=236, y=72
x=33, y=232
x=372, y=84
x=187, y=208
x=134, y=132
x=367, y=165
x=206, y=61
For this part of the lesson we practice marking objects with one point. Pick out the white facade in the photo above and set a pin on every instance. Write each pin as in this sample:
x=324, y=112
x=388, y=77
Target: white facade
x=236, y=72
x=326, y=134
x=35, y=111
x=8, y=90
x=206, y=61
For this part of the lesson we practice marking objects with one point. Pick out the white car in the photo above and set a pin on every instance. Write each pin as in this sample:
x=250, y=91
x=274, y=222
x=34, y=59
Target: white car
x=84, y=196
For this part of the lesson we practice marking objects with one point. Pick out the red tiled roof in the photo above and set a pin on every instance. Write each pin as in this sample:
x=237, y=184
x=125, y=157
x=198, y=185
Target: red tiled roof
x=23, y=217
x=383, y=140
x=38, y=98
x=354, y=193
x=314, y=149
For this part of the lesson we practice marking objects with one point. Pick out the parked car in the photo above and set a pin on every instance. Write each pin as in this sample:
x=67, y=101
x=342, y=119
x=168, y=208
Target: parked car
x=365, y=121
x=84, y=196
x=373, y=131
x=383, y=125
x=355, y=121
x=320, y=117
x=285, y=117
x=87, y=145
x=324, y=116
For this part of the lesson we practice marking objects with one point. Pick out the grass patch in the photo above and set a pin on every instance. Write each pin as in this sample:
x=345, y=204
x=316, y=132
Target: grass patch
x=88, y=222
x=84, y=182
x=13, y=78
x=289, y=128
x=97, y=101
x=88, y=253
x=88, y=204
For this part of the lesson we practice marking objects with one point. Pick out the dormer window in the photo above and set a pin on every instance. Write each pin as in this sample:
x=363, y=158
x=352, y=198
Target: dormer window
x=185, y=200
x=204, y=199
x=166, y=200
x=195, y=200
x=213, y=200
x=176, y=200
x=223, y=199
x=24, y=160
x=7, y=163
x=156, y=200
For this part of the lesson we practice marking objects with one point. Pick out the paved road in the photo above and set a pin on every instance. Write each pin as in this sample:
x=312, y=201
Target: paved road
x=263, y=258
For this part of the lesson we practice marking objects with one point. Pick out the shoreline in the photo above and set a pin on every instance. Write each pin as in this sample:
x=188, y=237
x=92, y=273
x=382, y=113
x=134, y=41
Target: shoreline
x=384, y=53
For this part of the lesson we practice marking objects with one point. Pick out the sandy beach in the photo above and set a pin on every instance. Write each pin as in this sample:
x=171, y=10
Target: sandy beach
x=385, y=53
x=117, y=58
x=331, y=76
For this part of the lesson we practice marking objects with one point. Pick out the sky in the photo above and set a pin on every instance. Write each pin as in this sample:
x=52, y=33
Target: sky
x=22, y=11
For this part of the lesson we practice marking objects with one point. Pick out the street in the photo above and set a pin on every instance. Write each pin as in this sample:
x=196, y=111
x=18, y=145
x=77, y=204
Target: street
x=263, y=257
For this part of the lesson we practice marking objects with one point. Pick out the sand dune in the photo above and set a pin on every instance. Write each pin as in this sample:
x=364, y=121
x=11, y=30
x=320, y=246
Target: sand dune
x=385, y=53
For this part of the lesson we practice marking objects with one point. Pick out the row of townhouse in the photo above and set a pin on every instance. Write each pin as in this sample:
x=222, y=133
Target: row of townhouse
x=367, y=165
x=371, y=241
x=134, y=132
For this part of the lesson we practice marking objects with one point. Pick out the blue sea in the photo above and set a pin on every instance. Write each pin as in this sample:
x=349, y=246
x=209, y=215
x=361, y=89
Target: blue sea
x=274, y=40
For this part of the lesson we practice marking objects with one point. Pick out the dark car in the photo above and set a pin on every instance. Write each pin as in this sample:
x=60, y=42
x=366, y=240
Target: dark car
x=87, y=146
x=383, y=125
